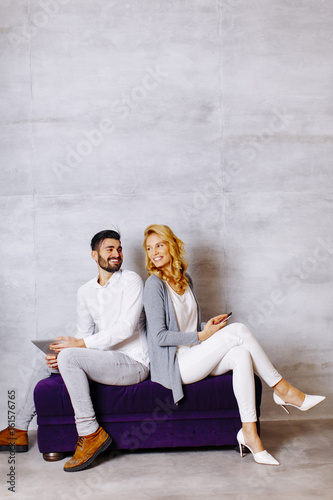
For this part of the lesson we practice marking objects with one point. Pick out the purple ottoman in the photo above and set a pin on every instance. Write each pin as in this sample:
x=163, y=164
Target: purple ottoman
x=143, y=415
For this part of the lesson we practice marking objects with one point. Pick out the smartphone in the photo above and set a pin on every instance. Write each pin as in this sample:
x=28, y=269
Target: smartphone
x=226, y=319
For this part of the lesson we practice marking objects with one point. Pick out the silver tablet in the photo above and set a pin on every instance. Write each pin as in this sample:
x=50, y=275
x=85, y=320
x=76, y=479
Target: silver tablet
x=43, y=345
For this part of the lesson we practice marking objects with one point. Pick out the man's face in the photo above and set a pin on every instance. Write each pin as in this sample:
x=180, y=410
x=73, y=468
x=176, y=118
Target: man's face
x=109, y=256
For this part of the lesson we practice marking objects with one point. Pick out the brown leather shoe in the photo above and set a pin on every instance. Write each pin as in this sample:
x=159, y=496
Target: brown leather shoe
x=12, y=439
x=87, y=449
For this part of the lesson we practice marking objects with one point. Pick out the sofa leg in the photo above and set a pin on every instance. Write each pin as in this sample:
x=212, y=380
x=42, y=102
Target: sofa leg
x=53, y=457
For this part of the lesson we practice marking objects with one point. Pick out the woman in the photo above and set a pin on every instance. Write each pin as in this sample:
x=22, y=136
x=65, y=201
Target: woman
x=182, y=353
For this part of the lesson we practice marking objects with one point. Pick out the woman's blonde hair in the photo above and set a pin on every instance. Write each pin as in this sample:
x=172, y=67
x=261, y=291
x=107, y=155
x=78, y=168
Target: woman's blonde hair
x=177, y=251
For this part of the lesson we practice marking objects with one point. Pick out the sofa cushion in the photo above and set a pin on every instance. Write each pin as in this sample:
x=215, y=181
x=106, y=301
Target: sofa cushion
x=143, y=415
x=209, y=395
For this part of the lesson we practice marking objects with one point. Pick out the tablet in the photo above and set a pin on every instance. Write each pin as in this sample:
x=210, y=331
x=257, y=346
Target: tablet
x=43, y=345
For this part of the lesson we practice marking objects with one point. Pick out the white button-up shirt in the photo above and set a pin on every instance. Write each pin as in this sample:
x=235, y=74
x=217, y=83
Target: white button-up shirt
x=111, y=317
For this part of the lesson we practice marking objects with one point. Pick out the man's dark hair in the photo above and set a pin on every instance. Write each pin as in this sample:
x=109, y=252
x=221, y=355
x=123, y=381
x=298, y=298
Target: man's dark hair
x=101, y=236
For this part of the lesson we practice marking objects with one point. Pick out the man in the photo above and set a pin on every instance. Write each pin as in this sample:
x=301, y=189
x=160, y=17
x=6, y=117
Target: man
x=110, y=347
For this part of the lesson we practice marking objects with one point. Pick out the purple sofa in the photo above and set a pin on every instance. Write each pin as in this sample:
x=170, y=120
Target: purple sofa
x=142, y=415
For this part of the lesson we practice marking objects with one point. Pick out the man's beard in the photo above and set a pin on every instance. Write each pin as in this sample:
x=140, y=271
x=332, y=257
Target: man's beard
x=110, y=268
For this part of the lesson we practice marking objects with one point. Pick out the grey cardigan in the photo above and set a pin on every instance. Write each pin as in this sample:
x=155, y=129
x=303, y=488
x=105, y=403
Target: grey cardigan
x=163, y=335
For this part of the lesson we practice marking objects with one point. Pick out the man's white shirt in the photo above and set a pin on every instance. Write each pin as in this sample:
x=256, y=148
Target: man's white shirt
x=111, y=317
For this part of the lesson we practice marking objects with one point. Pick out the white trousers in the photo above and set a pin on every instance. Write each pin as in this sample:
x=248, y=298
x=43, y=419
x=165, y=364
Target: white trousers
x=231, y=348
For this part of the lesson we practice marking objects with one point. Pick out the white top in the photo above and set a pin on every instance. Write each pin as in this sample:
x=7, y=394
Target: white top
x=111, y=317
x=186, y=313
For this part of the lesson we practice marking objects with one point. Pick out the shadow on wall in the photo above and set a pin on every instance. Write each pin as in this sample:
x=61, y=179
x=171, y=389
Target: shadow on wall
x=206, y=269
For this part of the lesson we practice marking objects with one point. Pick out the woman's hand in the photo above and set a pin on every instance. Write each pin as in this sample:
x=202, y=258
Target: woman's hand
x=212, y=326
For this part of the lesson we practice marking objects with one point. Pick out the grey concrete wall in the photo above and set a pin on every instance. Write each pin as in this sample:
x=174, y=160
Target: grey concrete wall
x=214, y=117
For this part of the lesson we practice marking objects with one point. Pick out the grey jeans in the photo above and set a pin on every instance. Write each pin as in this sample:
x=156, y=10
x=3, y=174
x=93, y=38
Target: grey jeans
x=77, y=365
x=27, y=411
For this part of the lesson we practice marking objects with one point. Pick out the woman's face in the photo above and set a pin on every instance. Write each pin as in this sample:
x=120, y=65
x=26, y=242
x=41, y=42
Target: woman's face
x=158, y=252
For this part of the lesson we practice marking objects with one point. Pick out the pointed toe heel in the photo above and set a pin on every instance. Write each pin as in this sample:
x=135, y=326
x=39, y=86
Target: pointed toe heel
x=263, y=457
x=308, y=403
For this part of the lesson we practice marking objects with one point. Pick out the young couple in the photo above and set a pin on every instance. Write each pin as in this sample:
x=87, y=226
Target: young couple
x=110, y=346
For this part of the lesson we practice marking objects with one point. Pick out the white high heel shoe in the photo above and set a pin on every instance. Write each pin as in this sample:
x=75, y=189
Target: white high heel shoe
x=263, y=457
x=308, y=403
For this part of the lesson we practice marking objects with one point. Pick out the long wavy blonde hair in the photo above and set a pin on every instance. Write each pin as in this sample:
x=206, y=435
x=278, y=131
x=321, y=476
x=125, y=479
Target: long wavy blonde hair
x=177, y=251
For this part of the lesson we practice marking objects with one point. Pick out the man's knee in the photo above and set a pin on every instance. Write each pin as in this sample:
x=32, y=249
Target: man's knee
x=64, y=358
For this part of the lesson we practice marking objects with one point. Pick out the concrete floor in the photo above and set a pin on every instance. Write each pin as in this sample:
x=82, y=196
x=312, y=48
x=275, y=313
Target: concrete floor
x=304, y=449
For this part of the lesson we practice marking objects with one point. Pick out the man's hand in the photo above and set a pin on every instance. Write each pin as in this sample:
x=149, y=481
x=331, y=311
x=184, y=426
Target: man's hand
x=212, y=326
x=64, y=342
x=51, y=361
